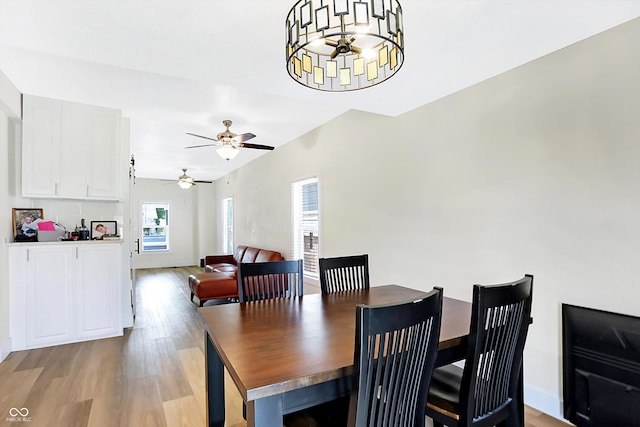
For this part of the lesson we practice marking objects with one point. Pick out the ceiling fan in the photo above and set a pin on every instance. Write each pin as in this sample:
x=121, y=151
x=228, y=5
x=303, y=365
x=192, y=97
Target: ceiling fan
x=229, y=142
x=185, y=181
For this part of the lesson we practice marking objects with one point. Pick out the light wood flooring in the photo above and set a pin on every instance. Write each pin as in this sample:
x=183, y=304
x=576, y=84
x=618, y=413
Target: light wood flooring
x=151, y=376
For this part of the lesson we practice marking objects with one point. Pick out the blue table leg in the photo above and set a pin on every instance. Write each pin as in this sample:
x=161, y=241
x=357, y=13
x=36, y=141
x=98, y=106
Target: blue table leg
x=214, y=384
x=265, y=412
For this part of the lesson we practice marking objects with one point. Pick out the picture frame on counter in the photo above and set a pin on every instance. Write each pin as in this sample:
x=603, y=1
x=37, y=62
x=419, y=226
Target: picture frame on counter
x=101, y=229
x=25, y=221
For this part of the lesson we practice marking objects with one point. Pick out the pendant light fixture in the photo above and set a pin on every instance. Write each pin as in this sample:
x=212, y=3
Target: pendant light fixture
x=344, y=45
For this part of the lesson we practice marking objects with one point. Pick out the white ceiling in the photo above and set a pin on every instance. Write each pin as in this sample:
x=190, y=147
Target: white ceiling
x=184, y=66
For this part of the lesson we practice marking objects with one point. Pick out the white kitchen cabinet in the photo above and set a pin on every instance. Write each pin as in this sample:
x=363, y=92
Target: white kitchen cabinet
x=96, y=295
x=70, y=150
x=64, y=292
x=104, y=153
x=49, y=299
x=72, y=181
x=40, y=146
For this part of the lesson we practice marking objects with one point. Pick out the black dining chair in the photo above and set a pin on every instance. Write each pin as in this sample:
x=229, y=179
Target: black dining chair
x=395, y=351
x=487, y=391
x=344, y=273
x=267, y=280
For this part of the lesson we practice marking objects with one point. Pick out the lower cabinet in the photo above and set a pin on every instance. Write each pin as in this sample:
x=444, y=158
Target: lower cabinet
x=48, y=302
x=63, y=293
x=96, y=298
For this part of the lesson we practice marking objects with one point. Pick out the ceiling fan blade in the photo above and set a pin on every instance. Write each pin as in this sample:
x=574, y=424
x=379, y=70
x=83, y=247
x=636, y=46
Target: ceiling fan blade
x=200, y=136
x=205, y=145
x=244, y=137
x=256, y=146
x=202, y=182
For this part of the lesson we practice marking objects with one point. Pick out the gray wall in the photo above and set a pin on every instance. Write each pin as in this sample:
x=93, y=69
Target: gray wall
x=534, y=171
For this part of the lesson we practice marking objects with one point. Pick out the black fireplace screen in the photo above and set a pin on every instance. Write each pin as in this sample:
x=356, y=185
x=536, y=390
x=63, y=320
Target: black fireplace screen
x=601, y=367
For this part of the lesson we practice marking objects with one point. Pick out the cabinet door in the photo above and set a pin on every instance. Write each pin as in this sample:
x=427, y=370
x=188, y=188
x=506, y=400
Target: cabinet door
x=97, y=291
x=73, y=151
x=40, y=147
x=49, y=296
x=103, y=162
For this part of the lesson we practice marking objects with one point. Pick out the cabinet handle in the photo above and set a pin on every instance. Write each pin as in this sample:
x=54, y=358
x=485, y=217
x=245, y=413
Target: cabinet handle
x=55, y=189
x=27, y=255
x=87, y=189
x=76, y=253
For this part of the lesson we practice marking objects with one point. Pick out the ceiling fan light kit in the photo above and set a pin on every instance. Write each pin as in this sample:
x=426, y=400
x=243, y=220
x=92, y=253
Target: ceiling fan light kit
x=185, y=185
x=227, y=152
x=344, y=45
x=230, y=142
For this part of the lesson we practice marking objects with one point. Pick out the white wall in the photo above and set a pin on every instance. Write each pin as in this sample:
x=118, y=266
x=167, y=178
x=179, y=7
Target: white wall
x=10, y=111
x=191, y=221
x=5, y=343
x=207, y=214
x=533, y=171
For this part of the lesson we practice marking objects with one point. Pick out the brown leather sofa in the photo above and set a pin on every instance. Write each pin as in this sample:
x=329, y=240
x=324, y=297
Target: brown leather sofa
x=220, y=279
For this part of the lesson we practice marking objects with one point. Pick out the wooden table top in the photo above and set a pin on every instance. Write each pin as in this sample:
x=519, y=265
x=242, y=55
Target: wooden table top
x=274, y=346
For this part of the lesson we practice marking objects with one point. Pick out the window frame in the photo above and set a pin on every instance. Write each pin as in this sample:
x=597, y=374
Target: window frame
x=227, y=229
x=299, y=224
x=163, y=245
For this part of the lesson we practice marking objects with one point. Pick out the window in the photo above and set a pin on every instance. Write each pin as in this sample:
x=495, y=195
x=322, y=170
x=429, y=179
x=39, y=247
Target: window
x=155, y=227
x=227, y=225
x=304, y=198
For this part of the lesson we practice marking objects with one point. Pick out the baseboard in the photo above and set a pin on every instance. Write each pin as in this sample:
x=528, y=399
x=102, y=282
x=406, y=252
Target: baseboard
x=543, y=402
x=5, y=348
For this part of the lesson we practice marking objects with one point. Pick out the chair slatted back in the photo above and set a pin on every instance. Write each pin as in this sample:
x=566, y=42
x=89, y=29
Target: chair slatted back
x=500, y=320
x=267, y=280
x=395, y=352
x=344, y=273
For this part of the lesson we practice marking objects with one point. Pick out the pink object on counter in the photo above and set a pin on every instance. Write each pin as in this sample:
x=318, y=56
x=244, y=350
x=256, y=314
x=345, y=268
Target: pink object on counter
x=46, y=226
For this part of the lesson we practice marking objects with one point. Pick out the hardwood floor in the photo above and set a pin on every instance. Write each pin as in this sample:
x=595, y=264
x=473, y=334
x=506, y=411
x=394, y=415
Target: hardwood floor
x=151, y=376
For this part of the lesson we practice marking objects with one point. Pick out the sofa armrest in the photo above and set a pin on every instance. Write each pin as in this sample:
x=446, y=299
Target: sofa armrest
x=219, y=259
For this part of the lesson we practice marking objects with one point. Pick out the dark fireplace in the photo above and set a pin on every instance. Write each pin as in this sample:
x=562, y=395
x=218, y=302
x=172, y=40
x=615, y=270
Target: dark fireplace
x=601, y=367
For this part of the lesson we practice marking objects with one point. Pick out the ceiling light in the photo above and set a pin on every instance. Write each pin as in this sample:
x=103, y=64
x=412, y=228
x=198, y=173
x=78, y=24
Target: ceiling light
x=185, y=185
x=227, y=151
x=185, y=181
x=348, y=28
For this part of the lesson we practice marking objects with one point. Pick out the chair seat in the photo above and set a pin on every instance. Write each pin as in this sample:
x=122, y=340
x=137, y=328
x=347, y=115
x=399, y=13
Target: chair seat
x=444, y=391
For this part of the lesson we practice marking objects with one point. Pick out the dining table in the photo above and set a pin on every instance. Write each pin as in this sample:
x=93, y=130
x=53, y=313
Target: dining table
x=284, y=355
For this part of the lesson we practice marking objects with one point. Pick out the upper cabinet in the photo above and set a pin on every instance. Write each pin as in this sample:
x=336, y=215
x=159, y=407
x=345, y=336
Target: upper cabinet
x=70, y=150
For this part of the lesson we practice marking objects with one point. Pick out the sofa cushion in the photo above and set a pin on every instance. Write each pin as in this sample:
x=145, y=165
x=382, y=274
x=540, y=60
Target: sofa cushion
x=239, y=252
x=250, y=255
x=268, y=256
x=213, y=285
x=224, y=267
